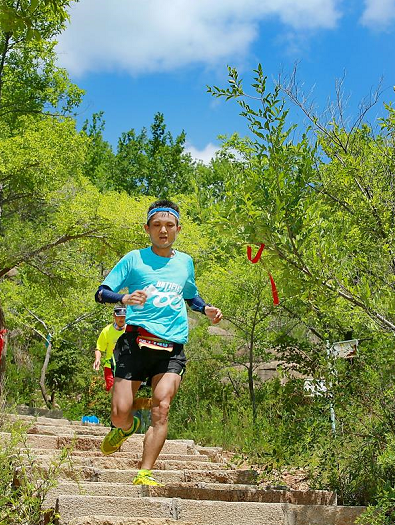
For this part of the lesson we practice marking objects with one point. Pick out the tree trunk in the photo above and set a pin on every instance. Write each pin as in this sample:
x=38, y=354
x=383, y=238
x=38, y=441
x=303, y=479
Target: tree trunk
x=251, y=385
x=47, y=400
x=1, y=203
x=4, y=51
x=3, y=348
x=252, y=392
x=251, y=380
x=53, y=404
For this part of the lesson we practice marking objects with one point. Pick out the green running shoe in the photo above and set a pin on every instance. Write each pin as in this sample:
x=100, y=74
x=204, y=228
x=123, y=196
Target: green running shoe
x=144, y=477
x=114, y=439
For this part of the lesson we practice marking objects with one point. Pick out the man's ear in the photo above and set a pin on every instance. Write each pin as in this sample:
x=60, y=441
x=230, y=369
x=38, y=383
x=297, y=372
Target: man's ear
x=146, y=228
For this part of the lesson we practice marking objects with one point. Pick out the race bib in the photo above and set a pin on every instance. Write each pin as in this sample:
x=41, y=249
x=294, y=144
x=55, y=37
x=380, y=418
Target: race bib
x=148, y=340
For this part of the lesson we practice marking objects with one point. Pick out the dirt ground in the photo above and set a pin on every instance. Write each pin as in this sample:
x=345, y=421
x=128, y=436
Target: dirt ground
x=287, y=478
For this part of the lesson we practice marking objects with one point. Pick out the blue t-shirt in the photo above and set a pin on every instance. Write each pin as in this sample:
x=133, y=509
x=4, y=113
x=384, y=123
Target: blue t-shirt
x=166, y=281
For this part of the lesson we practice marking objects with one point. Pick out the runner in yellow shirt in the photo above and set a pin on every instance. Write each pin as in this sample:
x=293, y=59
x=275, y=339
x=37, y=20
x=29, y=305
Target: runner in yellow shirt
x=106, y=343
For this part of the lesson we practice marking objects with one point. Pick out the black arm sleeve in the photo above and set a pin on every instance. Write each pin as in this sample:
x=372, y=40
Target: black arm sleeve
x=104, y=294
x=197, y=304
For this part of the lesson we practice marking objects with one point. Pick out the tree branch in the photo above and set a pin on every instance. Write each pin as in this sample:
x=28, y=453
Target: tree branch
x=376, y=316
x=61, y=240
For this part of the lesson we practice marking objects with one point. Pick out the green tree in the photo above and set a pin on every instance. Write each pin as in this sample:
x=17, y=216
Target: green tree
x=22, y=16
x=324, y=210
x=153, y=165
x=39, y=179
x=243, y=291
x=209, y=181
x=324, y=207
x=99, y=164
x=30, y=81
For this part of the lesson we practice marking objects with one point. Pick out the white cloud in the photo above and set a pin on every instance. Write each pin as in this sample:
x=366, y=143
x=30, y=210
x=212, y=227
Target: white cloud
x=205, y=155
x=156, y=35
x=378, y=13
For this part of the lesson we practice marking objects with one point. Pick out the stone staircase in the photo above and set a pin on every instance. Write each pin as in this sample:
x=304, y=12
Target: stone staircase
x=201, y=488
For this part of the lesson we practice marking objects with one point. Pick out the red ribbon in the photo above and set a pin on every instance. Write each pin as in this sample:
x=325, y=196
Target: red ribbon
x=257, y=256
x=254, y=261
x=2, y=334
x=274, y=291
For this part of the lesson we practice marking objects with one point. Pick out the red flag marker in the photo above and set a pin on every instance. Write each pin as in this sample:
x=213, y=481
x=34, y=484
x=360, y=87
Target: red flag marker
x=274, y=291
x=257, y=256
x=254, y=261
x=2, y=334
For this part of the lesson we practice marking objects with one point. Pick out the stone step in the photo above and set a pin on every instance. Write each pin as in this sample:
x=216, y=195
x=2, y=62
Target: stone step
x=134, y=444
x=39, y=452
x=110, y=520
x=196, y=491
x=94, y=431
x=23, y=410
x=197, y=512
x=40, y=420
x=70, y=488
x=51, y=426
x=240, y=492
x=213, y=453
x=115, y=462
x=68, y=430
x=244, y=477
x=205, y=512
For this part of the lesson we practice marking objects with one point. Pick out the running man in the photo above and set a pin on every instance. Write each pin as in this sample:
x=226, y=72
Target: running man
x=159, y=280
x=106, y=343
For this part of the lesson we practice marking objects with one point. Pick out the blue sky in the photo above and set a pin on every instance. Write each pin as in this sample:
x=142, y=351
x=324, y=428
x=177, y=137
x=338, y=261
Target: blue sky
x=135, y=58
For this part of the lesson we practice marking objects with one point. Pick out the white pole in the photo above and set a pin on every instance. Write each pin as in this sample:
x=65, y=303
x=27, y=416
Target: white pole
x=329, y=351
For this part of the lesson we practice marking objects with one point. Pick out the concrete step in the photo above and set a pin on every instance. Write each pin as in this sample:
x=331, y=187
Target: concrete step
x=206, y=512
x=196, y=491
x=92, y=474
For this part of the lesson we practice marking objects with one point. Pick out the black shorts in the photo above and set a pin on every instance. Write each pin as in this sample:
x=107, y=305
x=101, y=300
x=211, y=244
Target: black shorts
x=139, y=364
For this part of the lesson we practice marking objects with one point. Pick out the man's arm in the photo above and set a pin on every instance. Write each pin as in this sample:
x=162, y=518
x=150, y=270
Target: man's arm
x=213, y=313
x=197, y=304
x=96, y=363
x=104, y=294
x=101, y=345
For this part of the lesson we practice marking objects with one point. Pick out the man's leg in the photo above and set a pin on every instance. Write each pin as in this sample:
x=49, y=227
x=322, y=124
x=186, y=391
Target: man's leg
x=121, y=415
x=164, y=388
x=123, y=394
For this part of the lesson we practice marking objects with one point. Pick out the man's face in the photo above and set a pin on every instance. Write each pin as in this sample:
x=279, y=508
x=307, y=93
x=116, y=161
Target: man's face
x=119, y=320
x=162, y=229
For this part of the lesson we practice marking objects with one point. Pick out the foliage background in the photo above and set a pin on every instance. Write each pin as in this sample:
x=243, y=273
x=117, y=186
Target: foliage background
x=323, y=204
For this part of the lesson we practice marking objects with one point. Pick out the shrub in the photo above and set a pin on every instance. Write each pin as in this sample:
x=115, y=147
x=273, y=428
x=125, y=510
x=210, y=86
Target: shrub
x=24, y=484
